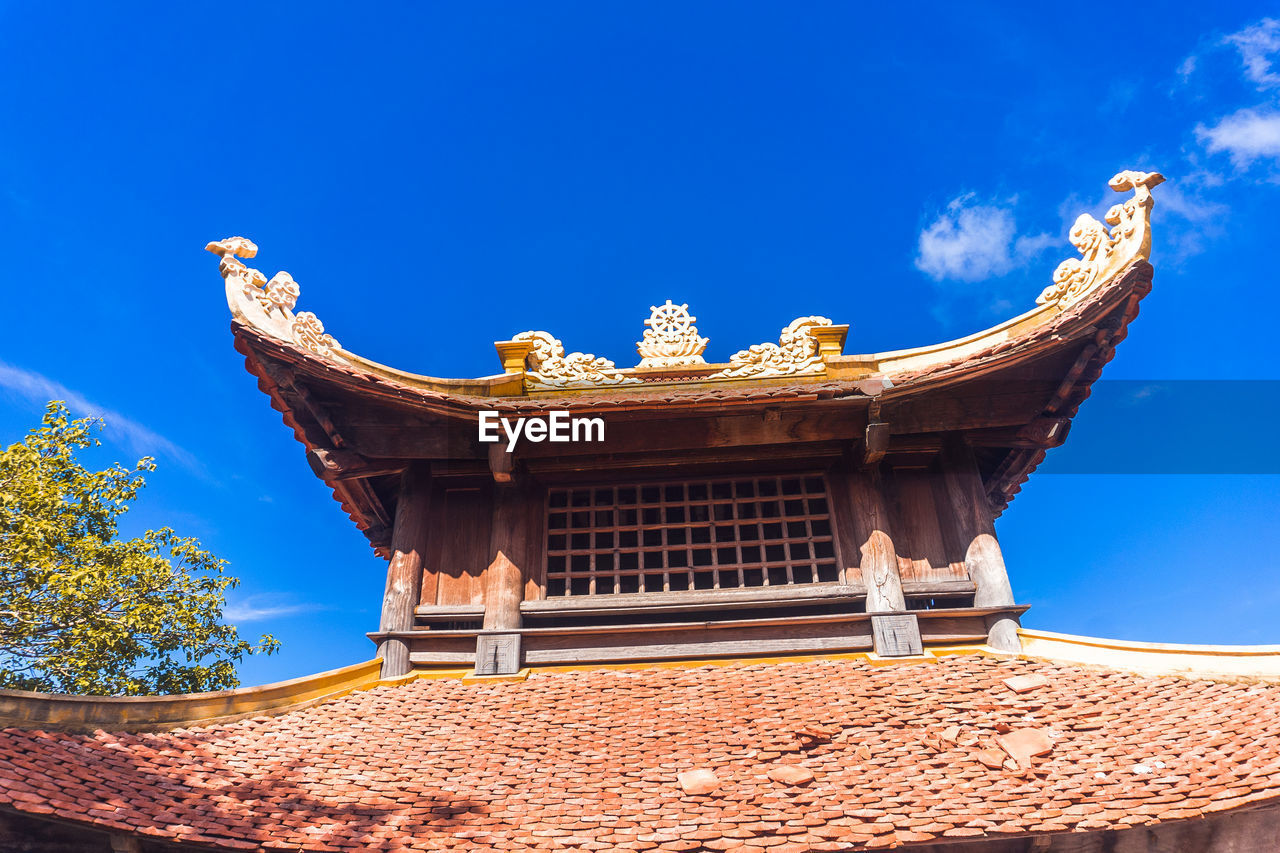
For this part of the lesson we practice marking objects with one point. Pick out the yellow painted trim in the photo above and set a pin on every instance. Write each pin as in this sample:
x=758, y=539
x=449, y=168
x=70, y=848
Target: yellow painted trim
x=929, y=656
x=134, y=713
x=30, y=710
x=1206, y=661
x=472, y=678
x=835, y=367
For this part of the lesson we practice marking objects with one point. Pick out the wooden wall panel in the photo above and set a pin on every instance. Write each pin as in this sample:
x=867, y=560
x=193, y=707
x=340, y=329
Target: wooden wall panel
x=464, y=545
x=536, y=559
x=435, y=547
x=922, y=550
x=952, y=537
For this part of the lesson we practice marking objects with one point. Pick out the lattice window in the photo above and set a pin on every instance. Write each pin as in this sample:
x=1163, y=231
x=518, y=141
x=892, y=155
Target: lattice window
x=693, y=534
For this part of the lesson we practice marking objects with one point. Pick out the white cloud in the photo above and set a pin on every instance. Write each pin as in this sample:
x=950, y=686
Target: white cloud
x=1188, y=67
x=36, y=388
x=1189, y=207
x=1246, y=135
x=971, y=242
x=259, y=608
x=1258, y=45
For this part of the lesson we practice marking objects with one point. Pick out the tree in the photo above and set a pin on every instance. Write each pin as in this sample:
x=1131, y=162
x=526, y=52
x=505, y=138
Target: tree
x=82, y=611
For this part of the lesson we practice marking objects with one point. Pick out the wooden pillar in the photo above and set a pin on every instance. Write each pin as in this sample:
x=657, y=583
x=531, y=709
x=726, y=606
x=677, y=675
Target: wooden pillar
x=404, y=572
x=871, y=542
x=975, y=526
x=508, y=549
x=504, y=582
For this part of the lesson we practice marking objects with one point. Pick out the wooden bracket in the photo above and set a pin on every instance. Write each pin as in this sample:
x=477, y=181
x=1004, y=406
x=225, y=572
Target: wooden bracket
x=333, y=465
x=501, y=462
x=876, y=444
x=1045, y=432
x=296, y=396
x=318, y=412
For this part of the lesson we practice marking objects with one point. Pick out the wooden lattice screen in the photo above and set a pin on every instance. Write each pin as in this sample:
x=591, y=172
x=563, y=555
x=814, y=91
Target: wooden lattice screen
x=693, y=534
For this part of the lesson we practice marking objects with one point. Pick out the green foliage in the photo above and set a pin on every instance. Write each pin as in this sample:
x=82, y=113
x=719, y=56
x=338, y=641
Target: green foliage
x=82, y=611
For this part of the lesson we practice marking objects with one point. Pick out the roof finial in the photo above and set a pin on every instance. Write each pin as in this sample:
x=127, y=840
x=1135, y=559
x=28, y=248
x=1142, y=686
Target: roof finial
x=671, y=339
x=268, y=305
x=1106, y=253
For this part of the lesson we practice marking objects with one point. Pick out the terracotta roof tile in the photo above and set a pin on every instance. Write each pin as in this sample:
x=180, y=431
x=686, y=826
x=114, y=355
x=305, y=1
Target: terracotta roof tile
x=808, y=755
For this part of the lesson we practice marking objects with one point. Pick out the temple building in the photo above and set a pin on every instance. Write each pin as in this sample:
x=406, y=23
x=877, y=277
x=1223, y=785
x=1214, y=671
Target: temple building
x=686, y=606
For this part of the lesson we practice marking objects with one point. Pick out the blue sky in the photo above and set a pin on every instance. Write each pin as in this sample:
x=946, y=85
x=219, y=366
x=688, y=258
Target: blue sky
x=440, y=176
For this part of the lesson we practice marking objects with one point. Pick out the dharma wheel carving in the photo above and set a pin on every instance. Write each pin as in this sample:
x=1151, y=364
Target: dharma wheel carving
x=671, y=339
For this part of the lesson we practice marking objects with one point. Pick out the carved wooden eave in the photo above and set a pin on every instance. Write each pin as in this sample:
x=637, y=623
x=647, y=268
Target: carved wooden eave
x=891, y=403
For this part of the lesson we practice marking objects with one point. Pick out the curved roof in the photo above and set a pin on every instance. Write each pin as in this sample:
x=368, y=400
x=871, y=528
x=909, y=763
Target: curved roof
x=808, y=350
x=1055, y=350
x=805, y=752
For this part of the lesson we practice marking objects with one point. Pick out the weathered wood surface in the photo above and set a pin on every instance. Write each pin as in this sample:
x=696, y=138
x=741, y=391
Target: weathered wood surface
x=498, y=654
x=501, y=462
x=504, y=589
x=873, y=532
x=457, y=612
x=512, y=551
x=971, y=405
x=384, y=431
x=875, y=442
x=409, y=540
x=334, y=465
x=464, y=553
x=922, y=551
x=720, y=638
x=975, y=526
x=896, y=635
x=696, y=600
x=685, y=646
x=624, y=434
x=715, y=461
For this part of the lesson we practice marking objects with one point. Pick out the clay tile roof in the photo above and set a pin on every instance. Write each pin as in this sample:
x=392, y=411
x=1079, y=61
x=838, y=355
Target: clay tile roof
x=592, y=760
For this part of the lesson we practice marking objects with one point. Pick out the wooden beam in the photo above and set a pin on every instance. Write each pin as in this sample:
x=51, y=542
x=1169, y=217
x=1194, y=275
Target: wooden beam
x=721, y=638
x=404, y=571
x=319, y=413
x=447, y=438
x=694, y=600
x=973, y=405
x=692, y=462
x=625, y=434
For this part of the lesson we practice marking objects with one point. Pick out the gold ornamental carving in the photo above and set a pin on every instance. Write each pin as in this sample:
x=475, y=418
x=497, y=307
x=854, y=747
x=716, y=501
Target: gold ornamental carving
x=1105, y=253
x=268, y=304
x=795, y=352
x=671, y=339
x=550, y=367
